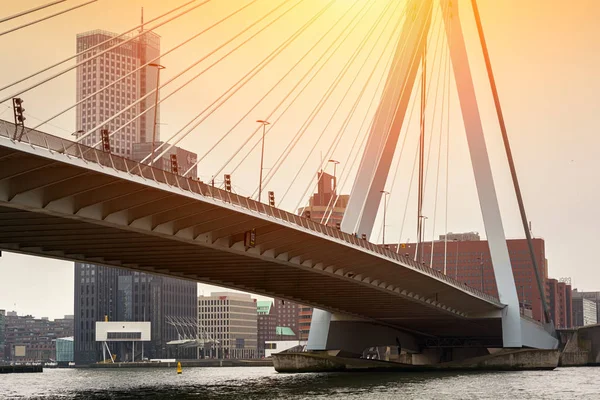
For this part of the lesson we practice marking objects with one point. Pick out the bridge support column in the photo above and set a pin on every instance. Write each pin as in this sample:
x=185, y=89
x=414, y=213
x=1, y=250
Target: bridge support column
x=337, y=332
x=511, y=318
x=377, y=158
x=319, y=330
x=383, y=137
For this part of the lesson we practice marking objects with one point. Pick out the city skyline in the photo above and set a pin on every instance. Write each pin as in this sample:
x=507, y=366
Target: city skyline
x=300, y=187
x=548, y=181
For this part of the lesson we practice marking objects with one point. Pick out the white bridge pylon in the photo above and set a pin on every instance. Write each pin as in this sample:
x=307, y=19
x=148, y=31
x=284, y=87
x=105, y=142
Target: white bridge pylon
x=377, y=158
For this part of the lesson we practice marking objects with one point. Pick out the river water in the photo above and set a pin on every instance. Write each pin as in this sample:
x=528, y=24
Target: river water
x=265, y=383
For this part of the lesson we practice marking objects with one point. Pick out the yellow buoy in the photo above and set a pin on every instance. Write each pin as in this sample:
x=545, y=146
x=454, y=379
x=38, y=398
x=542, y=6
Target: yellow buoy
x=179, y=370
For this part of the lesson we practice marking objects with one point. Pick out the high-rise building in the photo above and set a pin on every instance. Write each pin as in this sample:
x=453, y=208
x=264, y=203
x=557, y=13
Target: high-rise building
x=558, y=296
x=94, y=75
x=104, y=292
x=266, y=324
x=592, y=296
x=231, y=319
x=584, y=311
x=469, y=261
x=287, y=314
x=123, y=295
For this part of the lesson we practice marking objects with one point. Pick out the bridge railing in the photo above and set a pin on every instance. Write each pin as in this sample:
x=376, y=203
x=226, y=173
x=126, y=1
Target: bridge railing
x=105, y=159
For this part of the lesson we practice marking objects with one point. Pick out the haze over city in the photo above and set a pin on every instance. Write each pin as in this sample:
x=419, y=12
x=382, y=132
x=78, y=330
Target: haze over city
x=334, y=171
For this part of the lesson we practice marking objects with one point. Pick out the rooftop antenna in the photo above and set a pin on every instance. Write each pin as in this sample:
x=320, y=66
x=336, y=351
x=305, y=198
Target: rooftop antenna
x=142, y=21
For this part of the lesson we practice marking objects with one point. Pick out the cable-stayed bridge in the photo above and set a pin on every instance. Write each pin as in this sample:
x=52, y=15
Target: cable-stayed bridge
x=74, y=201
x=65, y=200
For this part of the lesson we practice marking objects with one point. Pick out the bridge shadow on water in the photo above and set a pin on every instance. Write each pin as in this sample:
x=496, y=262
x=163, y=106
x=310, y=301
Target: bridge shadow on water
x=265, y=383
x=280, y=386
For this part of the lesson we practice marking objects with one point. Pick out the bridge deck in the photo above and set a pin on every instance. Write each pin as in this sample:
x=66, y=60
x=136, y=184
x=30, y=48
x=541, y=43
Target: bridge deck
x=65, y=200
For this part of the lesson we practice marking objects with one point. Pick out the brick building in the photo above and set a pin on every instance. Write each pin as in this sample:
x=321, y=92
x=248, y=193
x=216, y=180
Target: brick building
x=36, y=336
x=469, y=261
x=304, y=320
x=267, y=324
x=326, y=205
x=558, y=296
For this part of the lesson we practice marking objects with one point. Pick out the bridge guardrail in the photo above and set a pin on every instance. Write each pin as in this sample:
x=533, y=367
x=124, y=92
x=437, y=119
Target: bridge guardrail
x=88, y=154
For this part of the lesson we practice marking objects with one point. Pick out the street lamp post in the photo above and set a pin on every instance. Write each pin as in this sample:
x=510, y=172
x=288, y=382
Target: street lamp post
x=456, y=262
x=158, y=68
x=481, y=268
x=422, y=220
x=262, y=155
x=385, y=195
x=335, y=163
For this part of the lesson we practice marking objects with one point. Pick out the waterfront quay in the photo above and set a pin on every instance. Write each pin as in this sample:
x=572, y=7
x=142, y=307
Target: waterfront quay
x=12, y=369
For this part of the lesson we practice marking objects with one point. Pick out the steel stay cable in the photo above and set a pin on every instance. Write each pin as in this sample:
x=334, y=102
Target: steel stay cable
x=414, y=162
x=426, y=172
x=280, y=103
x=362, y=144
x=511, y=163
x=449, y=21
x=316, y=110
x=410, y=185
x=156, y=91
x=429, y=89
x=411, y=177
x=47, y=17
x=64, y=71
x=396, y=60
x=401, y=89
x=365, y=136
x=200, y=159
x=253, y=73
x=331, y=54
x=427, y=96
x=97, y=45
x=139, y=100
x=346, y=164
x=396, y=88
x=31, y=10
x=343, y=128
x=439, y=155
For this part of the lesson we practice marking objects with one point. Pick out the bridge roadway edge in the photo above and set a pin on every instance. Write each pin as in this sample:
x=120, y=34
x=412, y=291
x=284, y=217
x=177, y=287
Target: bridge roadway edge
x=48, y=210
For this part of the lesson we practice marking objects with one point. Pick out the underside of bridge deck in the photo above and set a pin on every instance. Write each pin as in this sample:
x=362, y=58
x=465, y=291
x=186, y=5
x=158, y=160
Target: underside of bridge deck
x=55, y=206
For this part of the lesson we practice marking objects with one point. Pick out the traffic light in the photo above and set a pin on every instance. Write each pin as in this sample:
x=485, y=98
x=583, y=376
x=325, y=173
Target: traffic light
x=105, y=140
x=272, y=199
x=228, y=182
x=174, y=166
x=18, y=110
x=250, y=238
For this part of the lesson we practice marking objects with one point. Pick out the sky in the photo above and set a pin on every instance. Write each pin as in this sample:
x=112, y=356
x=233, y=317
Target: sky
x=545, y=56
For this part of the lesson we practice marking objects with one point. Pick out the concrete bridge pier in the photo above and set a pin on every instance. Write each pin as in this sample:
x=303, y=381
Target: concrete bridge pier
x=352, y=335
